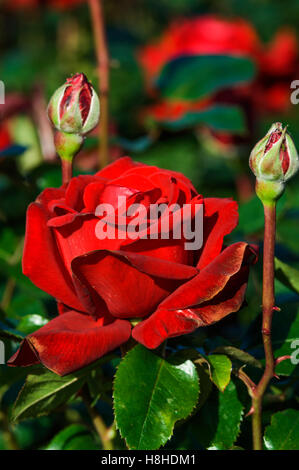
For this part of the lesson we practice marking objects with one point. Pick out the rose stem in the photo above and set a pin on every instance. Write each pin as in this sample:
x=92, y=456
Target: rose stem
x=268, y=308
x=97, y=17
x=97, y=421
x=67, y=171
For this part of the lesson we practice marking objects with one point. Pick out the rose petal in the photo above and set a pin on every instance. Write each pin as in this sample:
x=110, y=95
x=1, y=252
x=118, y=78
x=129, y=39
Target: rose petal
x=220, y=218
x=41, y=259
x=215, y=292
x=62, y=220
x=210, y=280
x=152, y=171
x=62, y=308
x=133, y=183
x=132, y=285
x=117, y=168
x=92, y=194
x=25, y=356
x=168, y=250
x=166, y=229
x=49, y=195
x=112, y=193
x=79, y=237
x=71, y=341
x=75, y=189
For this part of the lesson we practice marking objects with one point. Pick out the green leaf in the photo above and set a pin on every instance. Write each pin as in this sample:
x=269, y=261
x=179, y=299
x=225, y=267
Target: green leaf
x=164, y=393
x=220, y=118
x=30, y=323
x=43, y=392
x=240, y=356
x=203, y=369
x=195, y=77
x=283, y=432
x=74, y=437
x=221, y=367
x=287, y=275
x=217, y=424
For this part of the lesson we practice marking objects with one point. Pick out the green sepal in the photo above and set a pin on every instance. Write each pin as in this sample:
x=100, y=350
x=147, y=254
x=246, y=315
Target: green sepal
x=269, y=191
x=68, y=145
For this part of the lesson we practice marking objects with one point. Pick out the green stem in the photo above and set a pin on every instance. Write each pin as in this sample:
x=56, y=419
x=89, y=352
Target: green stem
x=67, y=146
x=97, y=18
x=97, y=420
x=268, y=307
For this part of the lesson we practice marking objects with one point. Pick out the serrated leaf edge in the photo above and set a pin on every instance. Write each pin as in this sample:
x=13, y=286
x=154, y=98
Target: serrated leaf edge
x=172, y=429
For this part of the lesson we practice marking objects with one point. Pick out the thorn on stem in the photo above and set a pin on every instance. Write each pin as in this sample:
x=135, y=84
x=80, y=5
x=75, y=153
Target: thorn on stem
x=280, y=359
x=250, y=412
x=265, y=331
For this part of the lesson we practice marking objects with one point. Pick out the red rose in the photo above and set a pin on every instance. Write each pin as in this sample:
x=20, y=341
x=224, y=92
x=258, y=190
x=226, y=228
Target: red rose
x=205, y=35
x=208, y=34
x=211, y=35
x=101, y=284
x=281, y=56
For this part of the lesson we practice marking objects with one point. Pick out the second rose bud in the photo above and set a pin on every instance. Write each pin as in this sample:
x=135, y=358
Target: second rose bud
x=273, y=160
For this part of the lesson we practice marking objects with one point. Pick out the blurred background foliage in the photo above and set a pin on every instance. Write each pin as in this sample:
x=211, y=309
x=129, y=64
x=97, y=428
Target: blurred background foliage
x=188, y=92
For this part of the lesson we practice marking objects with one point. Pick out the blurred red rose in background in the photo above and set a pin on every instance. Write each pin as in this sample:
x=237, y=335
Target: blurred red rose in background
x=196, y=36
x=276, y=63
x=102, y=284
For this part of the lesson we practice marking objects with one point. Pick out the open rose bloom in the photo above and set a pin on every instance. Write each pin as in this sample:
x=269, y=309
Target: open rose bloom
x=276, y=63
x=110, y=289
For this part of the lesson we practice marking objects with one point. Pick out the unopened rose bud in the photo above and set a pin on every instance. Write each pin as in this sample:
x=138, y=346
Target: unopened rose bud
x=75, y=108
x=274, y=160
